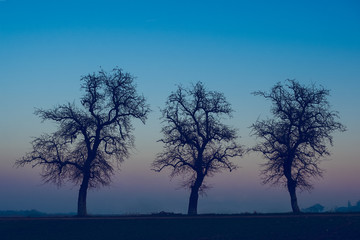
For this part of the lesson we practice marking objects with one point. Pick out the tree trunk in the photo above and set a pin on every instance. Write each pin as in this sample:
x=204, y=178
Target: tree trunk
x=291, y=185
x=81, y=212
x=292, y=191
x=193, y=201
x=194, y=196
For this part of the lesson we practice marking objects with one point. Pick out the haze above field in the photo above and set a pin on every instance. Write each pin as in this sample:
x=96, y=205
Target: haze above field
x=235, y=47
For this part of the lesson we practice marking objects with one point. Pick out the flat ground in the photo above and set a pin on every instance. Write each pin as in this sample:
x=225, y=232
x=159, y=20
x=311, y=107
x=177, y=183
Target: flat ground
x=307, y=226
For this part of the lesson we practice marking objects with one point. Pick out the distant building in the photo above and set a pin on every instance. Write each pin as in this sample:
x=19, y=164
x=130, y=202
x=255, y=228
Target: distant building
x=349, y=208
x=317, y=208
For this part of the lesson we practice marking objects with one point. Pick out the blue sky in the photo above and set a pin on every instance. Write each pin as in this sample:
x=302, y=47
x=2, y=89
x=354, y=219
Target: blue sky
x=235, y=47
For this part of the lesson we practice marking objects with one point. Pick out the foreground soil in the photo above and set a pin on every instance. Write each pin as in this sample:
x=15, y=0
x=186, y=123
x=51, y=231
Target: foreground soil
x=314, y=226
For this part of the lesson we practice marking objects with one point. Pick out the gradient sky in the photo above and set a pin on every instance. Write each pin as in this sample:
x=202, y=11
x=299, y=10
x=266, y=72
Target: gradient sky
x=235, y=47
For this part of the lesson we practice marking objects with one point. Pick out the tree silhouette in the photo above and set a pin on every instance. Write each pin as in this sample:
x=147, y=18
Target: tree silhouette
x=196, y=142
x=295, y=139
x=93, y=139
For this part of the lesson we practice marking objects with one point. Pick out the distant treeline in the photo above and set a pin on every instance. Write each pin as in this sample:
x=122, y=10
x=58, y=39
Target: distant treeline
x=30, y=213
x=22, y=213
x=317, y=208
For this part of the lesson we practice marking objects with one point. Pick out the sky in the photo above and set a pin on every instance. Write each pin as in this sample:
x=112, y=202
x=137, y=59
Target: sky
x=234, y=47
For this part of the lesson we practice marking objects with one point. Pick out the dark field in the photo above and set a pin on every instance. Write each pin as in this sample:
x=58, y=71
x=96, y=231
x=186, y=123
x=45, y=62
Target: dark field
x=320, y=226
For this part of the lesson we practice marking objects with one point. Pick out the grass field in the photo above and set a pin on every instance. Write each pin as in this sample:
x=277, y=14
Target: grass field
x=319, y=226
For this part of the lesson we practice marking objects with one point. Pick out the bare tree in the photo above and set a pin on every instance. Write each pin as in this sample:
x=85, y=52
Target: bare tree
x=295, y=139
x=93, y=139
x=196, y=142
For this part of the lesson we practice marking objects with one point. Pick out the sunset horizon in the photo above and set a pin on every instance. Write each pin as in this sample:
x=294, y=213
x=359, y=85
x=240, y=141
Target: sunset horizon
x=232, y=47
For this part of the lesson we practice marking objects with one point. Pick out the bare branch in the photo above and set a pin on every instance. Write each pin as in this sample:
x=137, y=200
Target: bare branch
x=90, y=139
x=196, y=142
x=296, y=138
